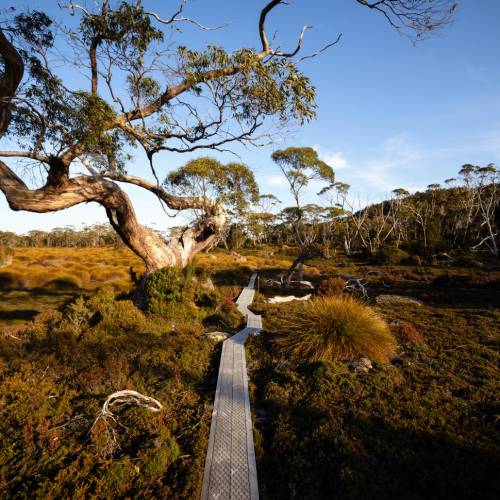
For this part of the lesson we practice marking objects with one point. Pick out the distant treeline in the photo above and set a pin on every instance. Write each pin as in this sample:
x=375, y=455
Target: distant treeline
x=464, y=215
x=98, y=235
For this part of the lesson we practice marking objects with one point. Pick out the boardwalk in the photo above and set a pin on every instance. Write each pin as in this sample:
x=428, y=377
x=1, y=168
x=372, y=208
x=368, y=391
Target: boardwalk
x=230, y=471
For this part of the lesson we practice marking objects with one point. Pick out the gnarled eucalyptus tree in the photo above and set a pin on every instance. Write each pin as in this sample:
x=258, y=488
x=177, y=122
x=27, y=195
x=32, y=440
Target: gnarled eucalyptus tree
x=144, y=90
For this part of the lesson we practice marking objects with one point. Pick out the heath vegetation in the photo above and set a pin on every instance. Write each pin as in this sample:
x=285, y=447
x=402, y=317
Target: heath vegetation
x=380, y=382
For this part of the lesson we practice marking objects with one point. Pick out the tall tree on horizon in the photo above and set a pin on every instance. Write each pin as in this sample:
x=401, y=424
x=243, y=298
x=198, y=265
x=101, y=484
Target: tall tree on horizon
x=146, y=92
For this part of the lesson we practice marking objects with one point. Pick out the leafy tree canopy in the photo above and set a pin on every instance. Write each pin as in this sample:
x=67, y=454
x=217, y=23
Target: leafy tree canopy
x=231, y=184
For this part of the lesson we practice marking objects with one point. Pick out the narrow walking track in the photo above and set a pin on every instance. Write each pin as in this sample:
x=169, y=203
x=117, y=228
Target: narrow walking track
x=230, y=470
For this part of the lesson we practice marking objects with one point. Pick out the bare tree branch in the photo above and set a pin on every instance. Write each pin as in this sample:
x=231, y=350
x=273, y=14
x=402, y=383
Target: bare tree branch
x=415, y=18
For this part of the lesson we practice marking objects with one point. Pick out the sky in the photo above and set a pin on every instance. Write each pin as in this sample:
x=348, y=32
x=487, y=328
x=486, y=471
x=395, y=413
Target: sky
x=391, y=113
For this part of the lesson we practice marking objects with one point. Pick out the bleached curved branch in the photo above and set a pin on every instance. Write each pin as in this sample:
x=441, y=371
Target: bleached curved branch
x=129, y=397
x=74, y=6
x=318, y=52
x=299, y=44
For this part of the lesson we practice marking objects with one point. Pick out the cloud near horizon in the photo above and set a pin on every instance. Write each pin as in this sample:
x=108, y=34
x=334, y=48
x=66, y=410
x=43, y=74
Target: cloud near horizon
x=402, y=162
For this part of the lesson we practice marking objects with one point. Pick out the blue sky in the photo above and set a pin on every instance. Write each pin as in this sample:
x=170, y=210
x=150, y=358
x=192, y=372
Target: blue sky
x=391, y=114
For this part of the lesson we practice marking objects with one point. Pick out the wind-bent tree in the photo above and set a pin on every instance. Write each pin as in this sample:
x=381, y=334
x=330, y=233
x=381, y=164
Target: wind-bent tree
x=143, y=91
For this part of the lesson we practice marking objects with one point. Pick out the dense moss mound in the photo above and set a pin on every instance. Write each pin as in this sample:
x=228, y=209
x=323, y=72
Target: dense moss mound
x=424, y=426
x=55, y=375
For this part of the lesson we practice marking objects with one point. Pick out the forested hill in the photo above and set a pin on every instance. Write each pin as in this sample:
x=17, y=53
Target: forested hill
x=460, y=217
x=438, y=219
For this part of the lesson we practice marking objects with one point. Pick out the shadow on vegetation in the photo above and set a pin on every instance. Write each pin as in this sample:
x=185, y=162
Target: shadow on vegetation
x=370, y=458
x=52, y=386
x=18, y=315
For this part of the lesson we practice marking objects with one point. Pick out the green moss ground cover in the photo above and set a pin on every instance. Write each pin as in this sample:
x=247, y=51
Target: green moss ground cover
x=57, y=371
x=424, y=426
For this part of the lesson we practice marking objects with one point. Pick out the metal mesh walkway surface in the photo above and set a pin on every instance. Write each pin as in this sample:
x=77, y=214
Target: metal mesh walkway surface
x=230, y=470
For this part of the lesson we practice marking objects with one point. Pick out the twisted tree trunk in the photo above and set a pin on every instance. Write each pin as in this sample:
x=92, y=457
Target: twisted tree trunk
x=147, y=244
x=61, y=191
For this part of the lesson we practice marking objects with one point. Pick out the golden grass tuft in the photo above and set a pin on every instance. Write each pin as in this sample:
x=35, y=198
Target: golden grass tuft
x=335, y=328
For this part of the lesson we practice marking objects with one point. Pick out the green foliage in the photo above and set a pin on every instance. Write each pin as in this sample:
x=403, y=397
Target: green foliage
x=302, y=165
x=335, y=328
x=78, y=316
x=232, y=185
x=35, y=29
x=165, y=290
x=272, y=87
x=249, y=87
x=158, y=459
x=52, y=385
x=116, y=316
x=126, y=27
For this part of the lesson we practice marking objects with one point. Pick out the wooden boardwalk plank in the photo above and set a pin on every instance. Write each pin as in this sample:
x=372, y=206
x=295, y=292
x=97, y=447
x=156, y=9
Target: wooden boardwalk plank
x=230, y=469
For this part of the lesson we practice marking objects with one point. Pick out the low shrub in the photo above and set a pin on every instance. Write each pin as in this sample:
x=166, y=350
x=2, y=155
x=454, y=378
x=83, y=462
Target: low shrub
x=165, y=291
x=77, y=317
x=335, y=328
x=12, y=280
x=406, y=332
x=53, y=385
x=330, y=287
x=467, y=261
x=115, y=316
x=223, y=320
x=63, y=283
x=390, y=255
x=412, y=260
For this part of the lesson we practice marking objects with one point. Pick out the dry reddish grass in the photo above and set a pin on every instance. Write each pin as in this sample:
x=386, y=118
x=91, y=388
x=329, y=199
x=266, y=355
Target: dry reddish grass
x=87, y=268
x=406, y=332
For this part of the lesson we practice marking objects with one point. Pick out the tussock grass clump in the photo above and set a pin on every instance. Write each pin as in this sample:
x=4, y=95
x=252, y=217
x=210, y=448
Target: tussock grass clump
x=12, y=280
x=335, y=328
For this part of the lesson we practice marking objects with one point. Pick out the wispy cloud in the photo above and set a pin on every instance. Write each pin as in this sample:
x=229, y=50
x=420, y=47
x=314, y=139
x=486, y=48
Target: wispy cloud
x=335, y=159
x=402, y=162
x=274, y=181
x=379, y=174
x=489, y=76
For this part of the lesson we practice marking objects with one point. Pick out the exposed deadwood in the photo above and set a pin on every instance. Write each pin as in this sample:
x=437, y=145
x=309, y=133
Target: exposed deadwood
x=128, y=397
x=108, y=418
